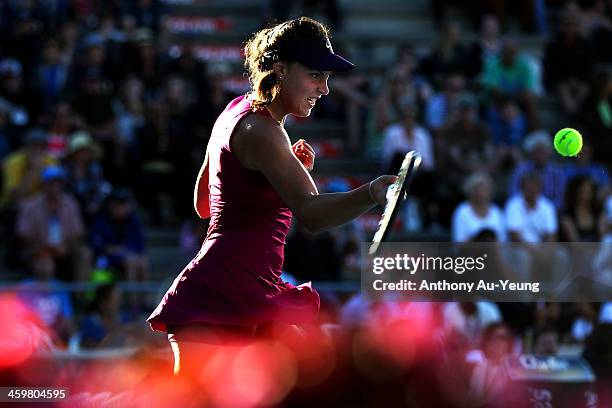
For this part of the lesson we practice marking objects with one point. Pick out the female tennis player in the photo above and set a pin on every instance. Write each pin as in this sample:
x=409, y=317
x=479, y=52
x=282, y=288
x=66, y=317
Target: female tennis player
x=251, y=183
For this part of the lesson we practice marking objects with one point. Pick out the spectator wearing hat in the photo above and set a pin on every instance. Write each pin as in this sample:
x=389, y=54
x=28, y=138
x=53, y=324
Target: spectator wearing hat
x=539, y=148
x=51, y=228
x=118, y=235
x=23, y=168
x=84, y=175
x=477, y=213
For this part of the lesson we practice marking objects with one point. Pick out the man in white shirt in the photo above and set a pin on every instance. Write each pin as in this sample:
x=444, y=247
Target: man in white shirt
x=531, y=217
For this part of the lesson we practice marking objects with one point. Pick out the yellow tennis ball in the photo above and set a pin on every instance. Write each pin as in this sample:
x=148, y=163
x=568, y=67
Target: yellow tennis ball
x=568, y=142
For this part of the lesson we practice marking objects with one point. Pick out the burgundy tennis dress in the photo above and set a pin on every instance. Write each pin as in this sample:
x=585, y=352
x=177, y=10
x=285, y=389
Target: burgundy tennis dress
x=235, y=277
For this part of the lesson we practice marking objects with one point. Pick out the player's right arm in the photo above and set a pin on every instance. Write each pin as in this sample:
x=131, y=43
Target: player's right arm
x=201, y=191
x=261, y=144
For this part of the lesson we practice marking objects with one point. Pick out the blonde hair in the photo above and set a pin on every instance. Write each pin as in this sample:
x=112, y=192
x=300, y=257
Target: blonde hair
x=262, y=51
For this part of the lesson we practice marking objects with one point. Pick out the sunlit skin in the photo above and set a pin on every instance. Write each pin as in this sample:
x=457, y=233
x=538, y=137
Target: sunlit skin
x=258, y=138
x=301, y=87
x=305, y=153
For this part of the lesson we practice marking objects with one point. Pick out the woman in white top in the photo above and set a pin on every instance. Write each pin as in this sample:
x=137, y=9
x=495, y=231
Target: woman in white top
x=477, y=212
x=406, y=135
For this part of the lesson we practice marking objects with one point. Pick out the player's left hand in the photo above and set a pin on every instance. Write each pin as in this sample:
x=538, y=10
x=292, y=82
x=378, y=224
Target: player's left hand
x=305, y=153
x=379, y=188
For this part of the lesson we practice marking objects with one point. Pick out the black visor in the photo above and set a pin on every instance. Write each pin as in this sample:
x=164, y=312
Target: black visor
x=315, y=53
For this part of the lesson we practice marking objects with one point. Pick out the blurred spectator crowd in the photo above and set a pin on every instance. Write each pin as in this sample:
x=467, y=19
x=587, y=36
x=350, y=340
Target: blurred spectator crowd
x=103, y=127
x=483, y=114
x=100, y=134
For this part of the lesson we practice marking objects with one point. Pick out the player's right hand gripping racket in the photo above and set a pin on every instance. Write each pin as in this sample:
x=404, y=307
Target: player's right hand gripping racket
x=395, y=196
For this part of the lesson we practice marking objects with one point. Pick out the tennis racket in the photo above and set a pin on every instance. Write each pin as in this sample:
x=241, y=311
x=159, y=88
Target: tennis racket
x=396, y=194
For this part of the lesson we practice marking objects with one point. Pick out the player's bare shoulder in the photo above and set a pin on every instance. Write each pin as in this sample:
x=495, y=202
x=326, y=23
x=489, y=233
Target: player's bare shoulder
x=257, y=133
x=257, y=125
